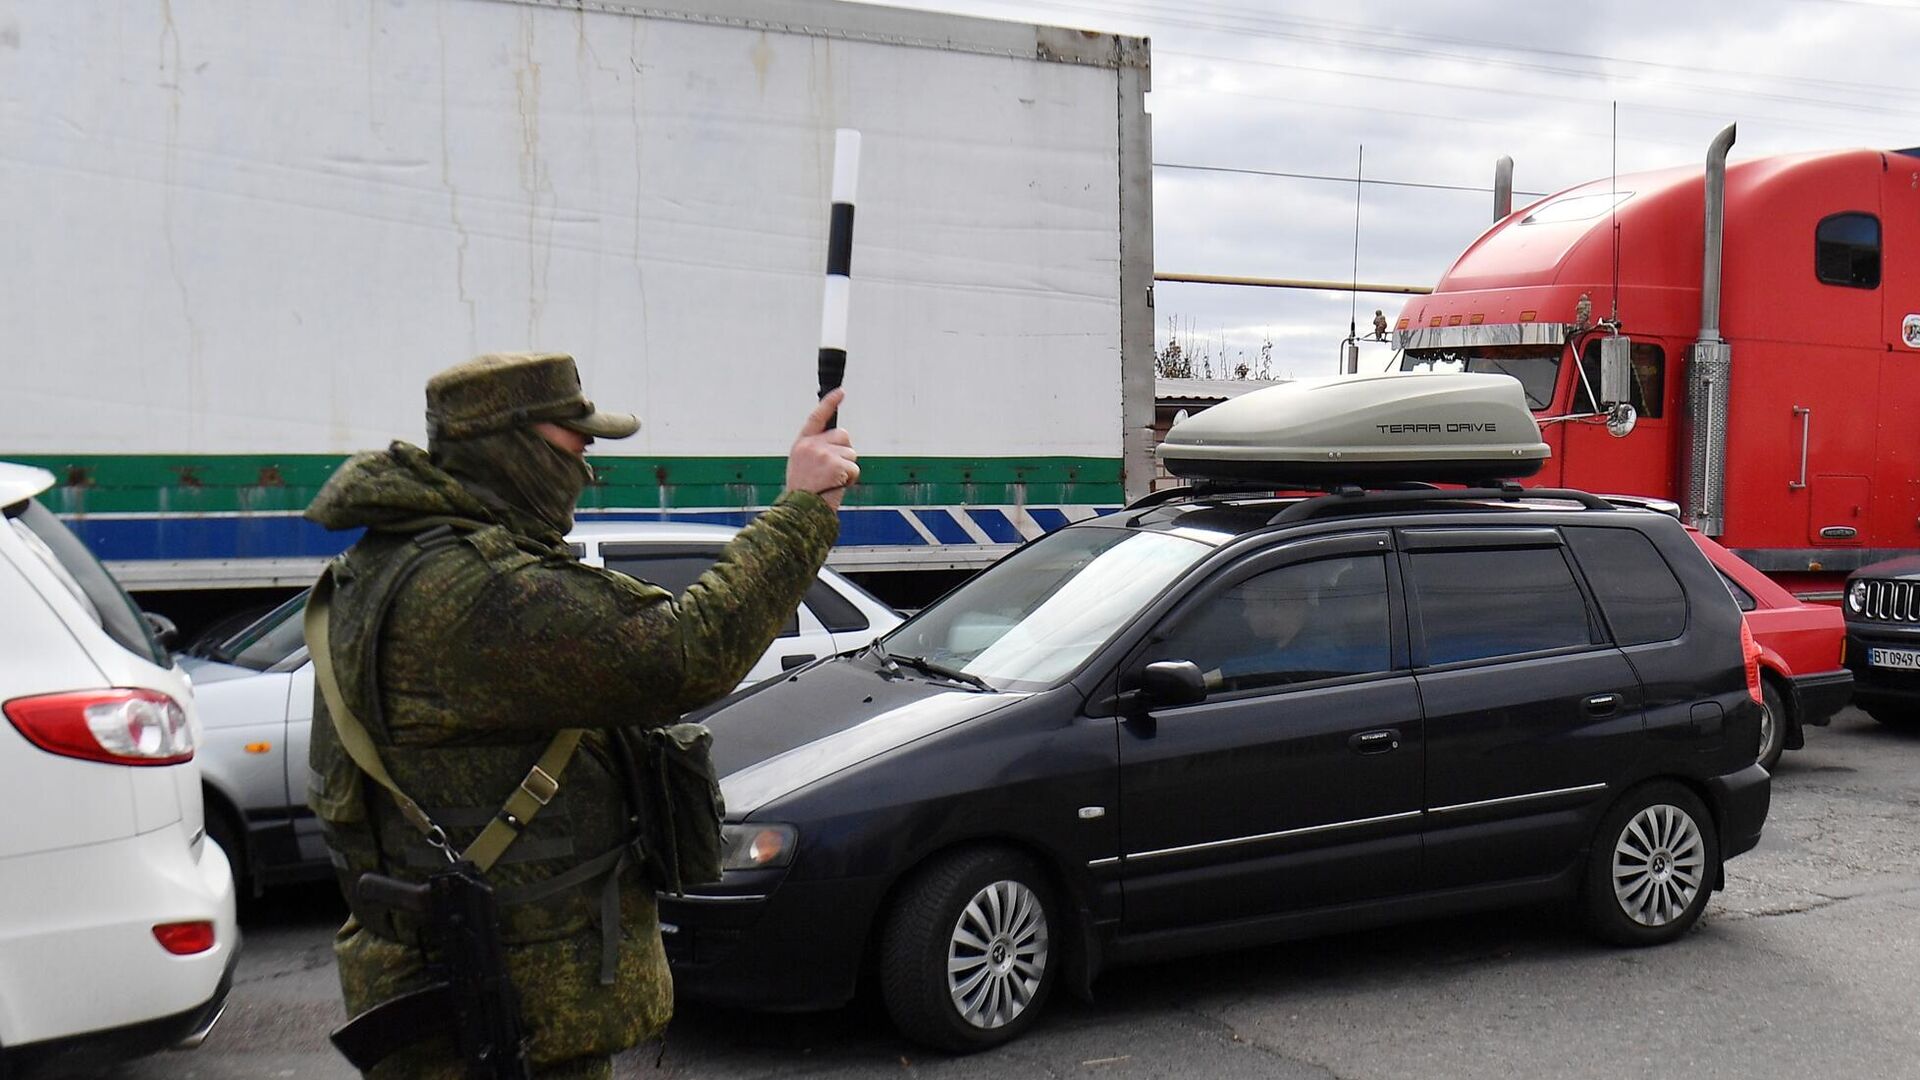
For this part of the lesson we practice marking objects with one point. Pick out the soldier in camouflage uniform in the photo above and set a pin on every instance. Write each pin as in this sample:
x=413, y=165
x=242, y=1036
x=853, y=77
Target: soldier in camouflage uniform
x=463, y=671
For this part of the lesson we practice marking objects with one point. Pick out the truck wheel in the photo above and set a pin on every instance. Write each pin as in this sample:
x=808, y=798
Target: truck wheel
x=966, y=957
x=1773, y=725
x=1653, y=864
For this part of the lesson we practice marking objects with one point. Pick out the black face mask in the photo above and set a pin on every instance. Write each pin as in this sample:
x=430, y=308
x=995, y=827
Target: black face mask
x=522, y=473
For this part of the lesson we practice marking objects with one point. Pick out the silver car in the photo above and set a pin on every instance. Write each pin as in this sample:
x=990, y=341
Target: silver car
x=255, y=691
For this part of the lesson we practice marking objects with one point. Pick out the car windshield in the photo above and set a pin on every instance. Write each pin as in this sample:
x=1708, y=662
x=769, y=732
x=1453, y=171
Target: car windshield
x=268, y=640
x=1536, y=366
x=1037, y=615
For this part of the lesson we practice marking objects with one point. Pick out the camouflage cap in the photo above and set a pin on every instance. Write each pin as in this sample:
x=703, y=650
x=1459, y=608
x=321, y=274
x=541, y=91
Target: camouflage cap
x=500, y=391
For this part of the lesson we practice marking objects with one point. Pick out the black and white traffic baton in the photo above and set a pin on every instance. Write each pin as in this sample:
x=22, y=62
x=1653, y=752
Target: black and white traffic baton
x=833, y=311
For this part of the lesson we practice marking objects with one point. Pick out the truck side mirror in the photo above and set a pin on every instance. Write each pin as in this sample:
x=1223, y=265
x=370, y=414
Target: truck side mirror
x=1616, y=370
x=1173, y=682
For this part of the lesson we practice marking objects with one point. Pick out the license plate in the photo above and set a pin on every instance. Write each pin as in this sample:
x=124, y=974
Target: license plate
x=1906, y=659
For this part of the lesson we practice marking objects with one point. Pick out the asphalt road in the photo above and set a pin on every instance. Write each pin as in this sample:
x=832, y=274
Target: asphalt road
x=1804, y=967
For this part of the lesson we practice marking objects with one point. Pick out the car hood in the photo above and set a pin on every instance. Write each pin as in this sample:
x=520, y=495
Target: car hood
x=791, y=731
x=1905, y=568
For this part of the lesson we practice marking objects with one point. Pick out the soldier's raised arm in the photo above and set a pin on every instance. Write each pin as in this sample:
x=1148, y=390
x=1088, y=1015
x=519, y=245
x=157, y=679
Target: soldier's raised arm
x=559, y=644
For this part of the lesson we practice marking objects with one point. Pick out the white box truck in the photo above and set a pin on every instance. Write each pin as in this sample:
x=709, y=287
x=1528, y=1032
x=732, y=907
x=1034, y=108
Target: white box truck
x=241, y=235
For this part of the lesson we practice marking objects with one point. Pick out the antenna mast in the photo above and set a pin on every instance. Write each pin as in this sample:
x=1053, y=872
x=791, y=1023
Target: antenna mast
x=1613, y=196
x=1350, y=349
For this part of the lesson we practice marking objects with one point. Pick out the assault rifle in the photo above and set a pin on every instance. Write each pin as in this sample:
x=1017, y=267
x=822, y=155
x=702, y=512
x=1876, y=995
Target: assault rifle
x=472, y=990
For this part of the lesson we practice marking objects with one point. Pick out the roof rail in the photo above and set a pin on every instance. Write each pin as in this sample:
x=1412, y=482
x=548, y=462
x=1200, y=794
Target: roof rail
x=1199, y=490
x=1347, y=497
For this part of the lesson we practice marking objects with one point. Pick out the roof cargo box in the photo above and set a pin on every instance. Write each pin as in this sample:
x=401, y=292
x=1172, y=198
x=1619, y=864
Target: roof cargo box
x=1370, y=429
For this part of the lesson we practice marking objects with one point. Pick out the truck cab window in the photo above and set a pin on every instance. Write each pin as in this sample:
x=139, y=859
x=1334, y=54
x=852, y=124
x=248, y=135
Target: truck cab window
x=1536, y=366
x=1649, y=379
x=1846, y=250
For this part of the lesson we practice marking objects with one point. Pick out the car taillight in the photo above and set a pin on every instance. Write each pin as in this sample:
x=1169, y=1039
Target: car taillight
x=184, y=938
x=120, y=727
x=1751, y=650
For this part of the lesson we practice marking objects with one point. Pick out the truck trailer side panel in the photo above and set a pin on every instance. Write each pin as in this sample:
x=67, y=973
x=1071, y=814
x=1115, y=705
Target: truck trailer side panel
x=251, y=232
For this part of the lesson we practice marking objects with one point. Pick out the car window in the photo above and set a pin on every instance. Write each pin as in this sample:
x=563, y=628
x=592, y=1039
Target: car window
x=268, y=640
x=676, y=571
x=1497, y=602
x=1301, y=623
x=1034, y=617
x=1639, y=595
x=82, y=575
x=837, y=613
x=1740, y=596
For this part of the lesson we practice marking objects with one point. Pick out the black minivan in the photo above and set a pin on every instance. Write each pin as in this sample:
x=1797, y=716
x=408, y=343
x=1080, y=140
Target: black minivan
x=1214, y=720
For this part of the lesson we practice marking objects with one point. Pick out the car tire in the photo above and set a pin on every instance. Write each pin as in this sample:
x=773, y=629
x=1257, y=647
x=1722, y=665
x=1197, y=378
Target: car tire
x=222, y=830
x=971, y=950
x=1655, y=859
x=1893, y=716
x=1773, y=725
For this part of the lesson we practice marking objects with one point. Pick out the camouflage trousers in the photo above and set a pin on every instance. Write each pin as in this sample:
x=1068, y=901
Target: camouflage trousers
x=575, y=1023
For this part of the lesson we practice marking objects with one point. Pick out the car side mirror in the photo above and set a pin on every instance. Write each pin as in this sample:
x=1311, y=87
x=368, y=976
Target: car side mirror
x=1173, y=682
x=163, y=628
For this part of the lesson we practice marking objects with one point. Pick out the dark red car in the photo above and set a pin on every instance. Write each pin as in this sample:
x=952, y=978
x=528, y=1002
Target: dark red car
x=1802, y=652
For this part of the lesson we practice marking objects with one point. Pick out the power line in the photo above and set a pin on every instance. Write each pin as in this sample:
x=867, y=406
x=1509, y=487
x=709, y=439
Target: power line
x=1371, y=77
x=1365, y=38
x=1333, y=179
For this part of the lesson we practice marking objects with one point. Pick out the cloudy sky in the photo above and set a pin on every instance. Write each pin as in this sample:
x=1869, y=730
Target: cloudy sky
x=1436, y=92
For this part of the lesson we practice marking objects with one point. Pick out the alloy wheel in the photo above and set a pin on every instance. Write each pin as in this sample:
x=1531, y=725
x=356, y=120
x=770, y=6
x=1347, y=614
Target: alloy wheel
x=997, y=954
x=1658, y=864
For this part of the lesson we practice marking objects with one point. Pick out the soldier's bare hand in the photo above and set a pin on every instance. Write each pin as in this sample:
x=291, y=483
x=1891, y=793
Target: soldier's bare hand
x=823, y=461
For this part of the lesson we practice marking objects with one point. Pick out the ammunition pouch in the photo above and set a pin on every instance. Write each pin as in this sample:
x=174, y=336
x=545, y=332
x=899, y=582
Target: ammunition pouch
x=675, y=792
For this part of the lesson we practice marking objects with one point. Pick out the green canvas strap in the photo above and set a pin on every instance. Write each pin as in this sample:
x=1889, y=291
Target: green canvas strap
x=535, y=791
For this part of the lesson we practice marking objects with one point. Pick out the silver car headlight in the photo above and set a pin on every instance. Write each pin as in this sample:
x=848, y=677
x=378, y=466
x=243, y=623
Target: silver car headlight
x=1857, y=597
x=756, y=846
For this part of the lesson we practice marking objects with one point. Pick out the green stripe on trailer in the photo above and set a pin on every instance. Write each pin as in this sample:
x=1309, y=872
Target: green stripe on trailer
x=230, y=483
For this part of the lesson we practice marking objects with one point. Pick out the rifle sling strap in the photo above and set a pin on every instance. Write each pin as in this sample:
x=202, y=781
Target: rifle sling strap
x=535, y=791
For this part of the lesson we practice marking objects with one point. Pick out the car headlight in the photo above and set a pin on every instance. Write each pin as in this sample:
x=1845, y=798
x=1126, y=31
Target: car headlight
x=756, y=847
x=1857, y=597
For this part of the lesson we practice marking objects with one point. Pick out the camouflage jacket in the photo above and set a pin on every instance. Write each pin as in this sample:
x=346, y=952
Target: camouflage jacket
x=490, y=645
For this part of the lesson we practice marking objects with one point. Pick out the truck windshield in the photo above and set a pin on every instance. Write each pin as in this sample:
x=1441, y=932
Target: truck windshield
x=1536, y=366
x=1034, y=617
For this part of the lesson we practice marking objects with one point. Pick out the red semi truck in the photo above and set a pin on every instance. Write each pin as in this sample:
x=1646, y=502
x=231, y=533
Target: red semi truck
x=1751, y=336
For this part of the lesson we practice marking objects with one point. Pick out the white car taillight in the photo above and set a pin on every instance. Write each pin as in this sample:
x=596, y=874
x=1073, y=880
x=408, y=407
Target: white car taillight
x=120, y=727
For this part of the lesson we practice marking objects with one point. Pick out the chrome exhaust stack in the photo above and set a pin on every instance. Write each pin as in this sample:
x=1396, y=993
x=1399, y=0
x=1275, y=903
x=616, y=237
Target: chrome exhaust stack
x=1710, y=364
x=1502, y=188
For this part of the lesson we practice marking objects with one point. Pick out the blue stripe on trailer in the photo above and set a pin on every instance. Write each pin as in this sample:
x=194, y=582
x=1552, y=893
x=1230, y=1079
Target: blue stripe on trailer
x=942, y=526
x=858, y=527
x=996, y=526
x=283, y=536
x=250, y=537
x=1048, y=519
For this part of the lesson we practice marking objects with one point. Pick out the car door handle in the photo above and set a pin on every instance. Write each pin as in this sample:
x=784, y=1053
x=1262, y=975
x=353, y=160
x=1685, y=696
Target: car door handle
x=794, y=660
x=1603, y=704
x=1375, y=742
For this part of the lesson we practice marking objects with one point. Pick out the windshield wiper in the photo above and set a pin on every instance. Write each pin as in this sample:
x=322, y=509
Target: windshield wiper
x=930, y=667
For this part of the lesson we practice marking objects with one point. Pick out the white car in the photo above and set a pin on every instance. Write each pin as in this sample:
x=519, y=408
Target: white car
x=255, y=690
x=117, y=932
